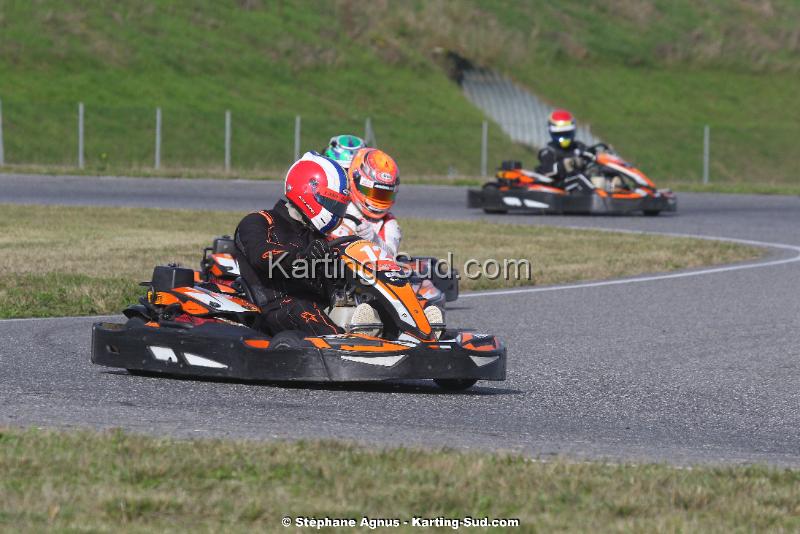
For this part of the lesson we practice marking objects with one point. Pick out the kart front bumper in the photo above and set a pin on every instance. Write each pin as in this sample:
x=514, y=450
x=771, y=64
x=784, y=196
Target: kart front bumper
x=242, y=354
x=521, y=199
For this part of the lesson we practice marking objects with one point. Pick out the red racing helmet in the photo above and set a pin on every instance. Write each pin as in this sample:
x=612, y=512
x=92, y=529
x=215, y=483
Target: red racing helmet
x=317, y=187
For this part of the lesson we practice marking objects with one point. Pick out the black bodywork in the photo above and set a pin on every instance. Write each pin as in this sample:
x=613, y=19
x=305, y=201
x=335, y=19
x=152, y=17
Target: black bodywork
x=493, y=199
x=131, y=346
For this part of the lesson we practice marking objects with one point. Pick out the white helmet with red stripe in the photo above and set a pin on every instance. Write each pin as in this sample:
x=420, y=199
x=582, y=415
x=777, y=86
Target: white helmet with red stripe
x=317, y=187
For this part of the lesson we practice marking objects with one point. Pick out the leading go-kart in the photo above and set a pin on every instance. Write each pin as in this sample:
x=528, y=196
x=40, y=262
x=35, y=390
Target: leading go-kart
x=606, y=184
x=189, y=327
x=434, y=281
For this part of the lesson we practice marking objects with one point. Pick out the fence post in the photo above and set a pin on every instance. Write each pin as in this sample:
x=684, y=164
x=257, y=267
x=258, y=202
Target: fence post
x=297, y=137
x=2, y=149
x=80, y=135
x=484, y=148
x=706, y=152
x=227, y=140
x=157, y=159
x=369, y=133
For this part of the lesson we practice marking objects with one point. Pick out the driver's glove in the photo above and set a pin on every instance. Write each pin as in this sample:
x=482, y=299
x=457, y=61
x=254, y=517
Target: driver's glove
x=364, y=230
x=318, y=249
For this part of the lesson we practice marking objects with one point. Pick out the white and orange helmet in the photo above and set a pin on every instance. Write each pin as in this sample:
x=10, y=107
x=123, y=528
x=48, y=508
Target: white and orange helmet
x=374, y=181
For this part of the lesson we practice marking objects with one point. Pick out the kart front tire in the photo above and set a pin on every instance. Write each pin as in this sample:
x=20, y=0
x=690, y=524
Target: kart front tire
x=455, y=384
x=651, y=213
x=493, y=189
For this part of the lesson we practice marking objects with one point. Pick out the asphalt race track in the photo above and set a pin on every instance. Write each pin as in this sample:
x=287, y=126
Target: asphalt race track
x=698, y=367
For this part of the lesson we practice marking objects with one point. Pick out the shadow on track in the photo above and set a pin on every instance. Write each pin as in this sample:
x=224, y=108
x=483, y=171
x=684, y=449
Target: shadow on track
x=416, y=387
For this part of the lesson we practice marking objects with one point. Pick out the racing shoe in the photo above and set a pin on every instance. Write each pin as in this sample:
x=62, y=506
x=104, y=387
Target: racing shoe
x=365, y=320
x=436, y=319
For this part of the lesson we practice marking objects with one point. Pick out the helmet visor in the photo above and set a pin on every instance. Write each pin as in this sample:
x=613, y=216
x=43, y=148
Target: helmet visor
x=563, y=138
x=380, y=194
x=333, y=202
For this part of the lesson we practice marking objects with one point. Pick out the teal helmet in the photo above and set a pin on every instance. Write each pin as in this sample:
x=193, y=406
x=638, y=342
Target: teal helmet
x=342, y=149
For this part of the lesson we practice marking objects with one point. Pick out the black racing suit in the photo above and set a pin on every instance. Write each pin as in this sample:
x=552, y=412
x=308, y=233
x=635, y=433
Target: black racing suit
x=560, y=163
x=273, y=237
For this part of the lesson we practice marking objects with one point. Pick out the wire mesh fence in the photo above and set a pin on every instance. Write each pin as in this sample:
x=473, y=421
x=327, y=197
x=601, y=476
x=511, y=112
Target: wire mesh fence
x=119, y=138
x=122, y=137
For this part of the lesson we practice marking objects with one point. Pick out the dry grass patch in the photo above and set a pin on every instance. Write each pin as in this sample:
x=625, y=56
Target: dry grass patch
x=560, y=255
x=76, y=261
x=118, y=482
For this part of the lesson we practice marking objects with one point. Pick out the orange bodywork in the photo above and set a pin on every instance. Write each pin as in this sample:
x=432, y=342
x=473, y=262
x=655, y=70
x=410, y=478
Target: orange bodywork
x=162, y=299
x=520, y=179
x=404, y=293
x=257, y=343
x=620, y=165
x=319, y=343
x=467, y=342
x=385, y=346
x=517, y=176
x=222, y=288
x=193, y=308
x=547, y=189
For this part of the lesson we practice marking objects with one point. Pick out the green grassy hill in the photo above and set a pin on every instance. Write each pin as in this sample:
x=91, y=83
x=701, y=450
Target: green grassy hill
x=646, y=74
x=266, y=62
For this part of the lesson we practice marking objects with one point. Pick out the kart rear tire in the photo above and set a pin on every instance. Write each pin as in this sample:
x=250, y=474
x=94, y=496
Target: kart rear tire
x=455, y=384
x=651, y=213
x=290, y=339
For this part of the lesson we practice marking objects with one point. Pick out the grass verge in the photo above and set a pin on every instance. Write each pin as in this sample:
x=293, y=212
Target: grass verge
x=83, y=261
x=115, y=481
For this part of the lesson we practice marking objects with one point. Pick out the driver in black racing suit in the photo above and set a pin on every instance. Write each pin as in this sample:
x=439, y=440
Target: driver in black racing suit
x=563, y=155
x=268, y=243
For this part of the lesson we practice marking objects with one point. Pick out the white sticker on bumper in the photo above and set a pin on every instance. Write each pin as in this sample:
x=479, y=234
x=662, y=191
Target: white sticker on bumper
x=480, y=361
x=383, y=361
x=199, y=361
x=534, y=204
x=164, y=354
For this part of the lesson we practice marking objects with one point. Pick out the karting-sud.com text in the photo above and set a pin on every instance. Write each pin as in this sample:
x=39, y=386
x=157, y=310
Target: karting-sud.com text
x=404, y=266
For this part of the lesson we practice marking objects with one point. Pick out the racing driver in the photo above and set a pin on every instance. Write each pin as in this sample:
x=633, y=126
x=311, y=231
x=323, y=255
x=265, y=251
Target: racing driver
x=562, y=157
x=316, y=198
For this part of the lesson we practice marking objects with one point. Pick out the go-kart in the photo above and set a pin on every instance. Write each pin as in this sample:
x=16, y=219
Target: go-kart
x=186, y=326
x=603, y=183
x=434, y=282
